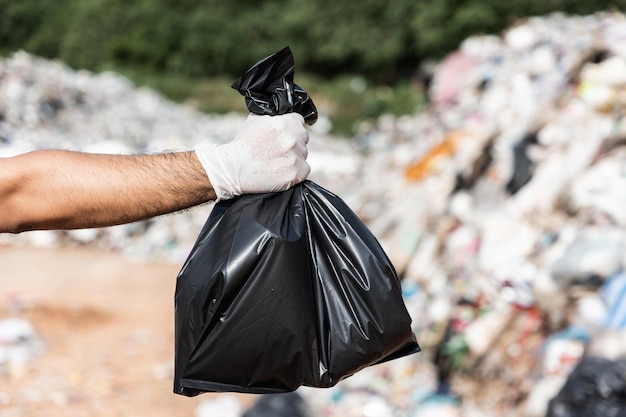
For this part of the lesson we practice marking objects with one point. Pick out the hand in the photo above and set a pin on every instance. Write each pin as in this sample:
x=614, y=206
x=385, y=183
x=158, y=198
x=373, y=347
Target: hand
x=267, y=155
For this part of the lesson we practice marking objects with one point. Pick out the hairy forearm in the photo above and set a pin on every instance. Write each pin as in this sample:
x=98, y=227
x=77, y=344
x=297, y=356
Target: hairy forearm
x=71, y=190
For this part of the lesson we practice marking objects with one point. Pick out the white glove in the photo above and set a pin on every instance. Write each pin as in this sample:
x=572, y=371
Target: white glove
x=268, y=154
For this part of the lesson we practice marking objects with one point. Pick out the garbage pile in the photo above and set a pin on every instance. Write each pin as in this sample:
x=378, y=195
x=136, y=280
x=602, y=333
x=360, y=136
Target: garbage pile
x=501, y=206
x=45, y=104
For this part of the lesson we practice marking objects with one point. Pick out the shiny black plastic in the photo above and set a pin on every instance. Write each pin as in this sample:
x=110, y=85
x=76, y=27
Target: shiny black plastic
x=283, y=290
x=268, y=88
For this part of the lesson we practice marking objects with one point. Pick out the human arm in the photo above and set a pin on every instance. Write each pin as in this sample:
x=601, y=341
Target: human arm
x=56, y=189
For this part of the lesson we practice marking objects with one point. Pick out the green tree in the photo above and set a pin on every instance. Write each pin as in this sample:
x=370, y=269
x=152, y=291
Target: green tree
x=385, y=41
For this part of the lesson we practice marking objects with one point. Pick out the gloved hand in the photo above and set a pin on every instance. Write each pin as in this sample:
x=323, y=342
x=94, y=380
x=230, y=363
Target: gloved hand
x=268, y=154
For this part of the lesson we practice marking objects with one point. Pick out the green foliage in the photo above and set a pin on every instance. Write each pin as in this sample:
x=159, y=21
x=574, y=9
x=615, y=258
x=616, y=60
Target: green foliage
x=210, y=95
x=383, y=41
x=177, y=46
x=345, y=99
x=19, y=21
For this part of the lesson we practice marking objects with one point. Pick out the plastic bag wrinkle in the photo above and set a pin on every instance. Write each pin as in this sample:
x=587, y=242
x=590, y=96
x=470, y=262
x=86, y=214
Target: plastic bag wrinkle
x=296, y=318
x=269, y=89
x=284, y=289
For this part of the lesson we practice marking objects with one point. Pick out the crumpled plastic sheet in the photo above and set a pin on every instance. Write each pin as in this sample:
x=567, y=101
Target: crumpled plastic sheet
x=268, y=88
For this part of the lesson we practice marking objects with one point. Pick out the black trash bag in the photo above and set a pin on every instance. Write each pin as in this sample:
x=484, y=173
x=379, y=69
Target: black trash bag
x=282, y=290
x=596, y=387
x=268, y=88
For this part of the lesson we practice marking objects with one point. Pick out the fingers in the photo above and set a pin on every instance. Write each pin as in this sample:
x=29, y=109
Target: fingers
x=269, y=154
x=292, y=123
x=297, y=133
x=303, y=171
x=301, y=150
x=272, y=137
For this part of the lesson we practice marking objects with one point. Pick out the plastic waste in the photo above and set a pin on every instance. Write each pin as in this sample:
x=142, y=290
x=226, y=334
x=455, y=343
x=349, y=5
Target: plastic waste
x=18, y=343
x=596, y=387
x=224, y=406
x=613, y=293
x=285, y=289
x=268, y=88
x=595, y=255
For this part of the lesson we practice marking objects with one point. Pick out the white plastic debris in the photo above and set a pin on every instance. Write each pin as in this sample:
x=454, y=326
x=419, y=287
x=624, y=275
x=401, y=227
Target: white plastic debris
x=18, y=343
x=466, y=209
x=221, y=405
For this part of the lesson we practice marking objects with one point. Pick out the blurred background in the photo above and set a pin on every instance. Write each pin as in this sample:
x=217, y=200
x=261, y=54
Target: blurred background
x=363, y=59
x=482, y=142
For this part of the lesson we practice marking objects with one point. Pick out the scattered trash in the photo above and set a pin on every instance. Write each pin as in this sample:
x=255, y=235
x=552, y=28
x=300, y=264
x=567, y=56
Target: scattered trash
x=596, y=387
x=222, y=405
x=501, y=207
x=18, y=344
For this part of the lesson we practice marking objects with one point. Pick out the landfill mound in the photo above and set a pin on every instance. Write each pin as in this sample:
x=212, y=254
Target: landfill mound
x=45, y=104
x=501, y=206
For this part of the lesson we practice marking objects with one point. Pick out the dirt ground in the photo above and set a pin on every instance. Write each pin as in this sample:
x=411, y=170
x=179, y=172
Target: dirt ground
x=107, y=335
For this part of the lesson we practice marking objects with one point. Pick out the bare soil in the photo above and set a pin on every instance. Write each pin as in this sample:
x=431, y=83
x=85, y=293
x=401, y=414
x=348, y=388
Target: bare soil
x=107, y=335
